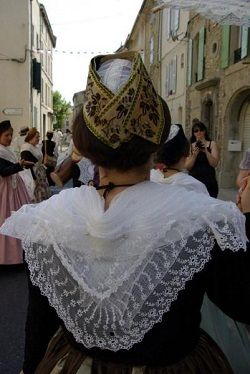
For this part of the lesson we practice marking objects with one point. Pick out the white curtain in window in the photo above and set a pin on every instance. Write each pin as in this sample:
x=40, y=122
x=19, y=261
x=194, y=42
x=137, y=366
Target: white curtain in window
x=234, y=12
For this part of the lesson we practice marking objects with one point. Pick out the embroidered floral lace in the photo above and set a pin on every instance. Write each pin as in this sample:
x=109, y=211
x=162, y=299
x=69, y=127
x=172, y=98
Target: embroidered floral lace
x=224, y=11
x=112, y=274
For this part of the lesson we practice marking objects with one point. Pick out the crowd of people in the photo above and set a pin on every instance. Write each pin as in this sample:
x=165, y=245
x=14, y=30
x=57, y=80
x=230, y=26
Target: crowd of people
x=120, y=269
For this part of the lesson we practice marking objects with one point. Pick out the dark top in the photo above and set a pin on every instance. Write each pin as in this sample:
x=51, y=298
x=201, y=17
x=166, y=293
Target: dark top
x=225, y=279
x=50, y=147
x=75, y=175
x=205, y=173
x=8, y=168
x=28, y=156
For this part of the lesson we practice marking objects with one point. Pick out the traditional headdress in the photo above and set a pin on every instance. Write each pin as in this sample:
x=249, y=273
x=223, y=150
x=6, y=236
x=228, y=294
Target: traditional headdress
x=121, y=101
x=5, y=123
x=23, y=130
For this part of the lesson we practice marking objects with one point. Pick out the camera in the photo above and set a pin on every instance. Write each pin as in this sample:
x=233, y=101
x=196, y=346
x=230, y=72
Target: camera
x=199, y=145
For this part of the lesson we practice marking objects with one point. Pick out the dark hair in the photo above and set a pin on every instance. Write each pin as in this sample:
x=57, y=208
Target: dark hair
x=5, y=126
x=129, y=155
x=31, y=133
x=49, y=135
x=172, y=151
x=199, y=125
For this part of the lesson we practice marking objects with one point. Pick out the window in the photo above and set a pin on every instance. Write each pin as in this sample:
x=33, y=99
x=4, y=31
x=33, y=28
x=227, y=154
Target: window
x=235, y=44
x=172, y=21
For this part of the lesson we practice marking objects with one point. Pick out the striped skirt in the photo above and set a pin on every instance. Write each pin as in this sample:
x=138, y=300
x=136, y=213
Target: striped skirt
x=62, y=358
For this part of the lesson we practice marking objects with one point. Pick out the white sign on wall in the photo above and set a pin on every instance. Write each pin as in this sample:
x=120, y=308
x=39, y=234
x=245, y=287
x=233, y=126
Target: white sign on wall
x=234, y=145
x=13, y=111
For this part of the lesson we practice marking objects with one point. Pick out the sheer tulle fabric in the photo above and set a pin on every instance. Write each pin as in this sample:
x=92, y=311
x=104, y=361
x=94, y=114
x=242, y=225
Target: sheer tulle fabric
x=112, y=274
x=223, y=11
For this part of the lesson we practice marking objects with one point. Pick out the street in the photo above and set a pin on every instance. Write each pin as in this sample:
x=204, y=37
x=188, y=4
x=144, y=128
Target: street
x=13, y=306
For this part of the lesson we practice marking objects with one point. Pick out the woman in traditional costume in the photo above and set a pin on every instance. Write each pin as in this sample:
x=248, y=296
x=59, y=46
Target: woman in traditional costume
x=123, y=269
x=173, y=156
x=31, y=152
x=13, y=194
x=50, y=155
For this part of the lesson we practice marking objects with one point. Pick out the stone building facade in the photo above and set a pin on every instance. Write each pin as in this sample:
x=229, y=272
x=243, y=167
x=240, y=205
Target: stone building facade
x=202, y=70
x=218, y=92
x=26, y=58
x=161, y=38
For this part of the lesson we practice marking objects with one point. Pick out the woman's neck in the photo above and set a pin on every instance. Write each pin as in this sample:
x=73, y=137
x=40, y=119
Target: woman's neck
x=173, y=169
x=168, y=172
x=120, y=179
x=133, y=176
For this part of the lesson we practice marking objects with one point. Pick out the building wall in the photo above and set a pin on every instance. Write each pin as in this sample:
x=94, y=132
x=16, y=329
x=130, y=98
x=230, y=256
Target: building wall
x=219, y=91
x=174, y=62
x=15, y=75
x=46, y=45
x=149, y=34
x=20, y=46
x=36, y=55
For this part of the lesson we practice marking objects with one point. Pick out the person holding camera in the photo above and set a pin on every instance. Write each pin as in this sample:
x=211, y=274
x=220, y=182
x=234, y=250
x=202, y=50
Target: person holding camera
x=203, y=159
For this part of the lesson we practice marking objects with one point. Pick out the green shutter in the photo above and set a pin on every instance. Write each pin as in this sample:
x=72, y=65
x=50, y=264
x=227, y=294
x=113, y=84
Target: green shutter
x=244, y=41
x=189, y=66
x=200, y=71
x=174, y=74
x=225, y=46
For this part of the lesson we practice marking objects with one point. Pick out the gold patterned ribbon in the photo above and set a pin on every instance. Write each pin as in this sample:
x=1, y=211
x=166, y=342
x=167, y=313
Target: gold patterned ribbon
x=136, y=109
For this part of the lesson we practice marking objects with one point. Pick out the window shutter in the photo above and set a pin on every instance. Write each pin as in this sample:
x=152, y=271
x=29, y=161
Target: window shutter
x=167, y=80
x=189, y=66
x=201, y=49
x=244, y=41
x=174, y=74
x=225, y=46
x=36, y=75
x=168, y=22
x=176, y=19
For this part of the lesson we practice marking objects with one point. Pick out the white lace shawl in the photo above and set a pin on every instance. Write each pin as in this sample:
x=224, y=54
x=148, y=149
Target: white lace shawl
x=179, y=179
x=7, y=154
x=112, y=274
